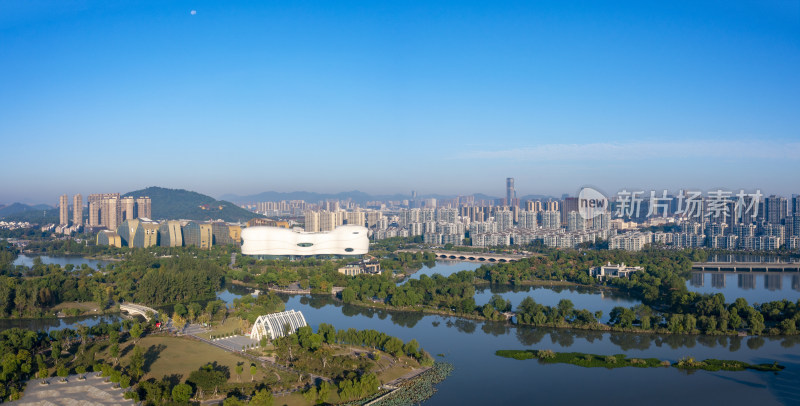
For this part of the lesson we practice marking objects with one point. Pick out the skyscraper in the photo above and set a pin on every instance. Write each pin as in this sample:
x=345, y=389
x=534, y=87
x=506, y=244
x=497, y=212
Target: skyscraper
x=63, y=210
x=77, y=210
x=143, y=207
x=775, y=208
x=511, y=195
x=127, y=208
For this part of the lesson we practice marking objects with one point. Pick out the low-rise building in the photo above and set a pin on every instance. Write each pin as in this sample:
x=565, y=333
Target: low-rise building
x=613, y=271
x=366, y=266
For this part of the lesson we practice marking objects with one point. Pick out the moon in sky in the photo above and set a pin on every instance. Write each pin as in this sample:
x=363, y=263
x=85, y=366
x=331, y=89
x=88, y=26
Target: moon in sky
x=193, y=12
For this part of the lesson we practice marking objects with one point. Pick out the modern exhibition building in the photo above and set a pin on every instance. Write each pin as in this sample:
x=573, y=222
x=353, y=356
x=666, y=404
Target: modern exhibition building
x=277, y=325
x=343, y=241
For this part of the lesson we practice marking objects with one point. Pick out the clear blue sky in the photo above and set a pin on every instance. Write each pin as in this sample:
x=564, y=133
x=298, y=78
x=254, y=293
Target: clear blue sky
x=385, y=97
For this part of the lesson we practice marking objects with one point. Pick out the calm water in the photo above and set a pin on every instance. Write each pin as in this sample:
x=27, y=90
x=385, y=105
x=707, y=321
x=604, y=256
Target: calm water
x=481, y=377
x=232, y=292
x=27, y=261
x=444, y=268
x=48, y=325
x=754, y=287
x=582, y=297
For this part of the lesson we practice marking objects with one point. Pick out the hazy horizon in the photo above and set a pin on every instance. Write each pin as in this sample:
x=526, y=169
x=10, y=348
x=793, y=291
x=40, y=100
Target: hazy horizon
x=440, y=97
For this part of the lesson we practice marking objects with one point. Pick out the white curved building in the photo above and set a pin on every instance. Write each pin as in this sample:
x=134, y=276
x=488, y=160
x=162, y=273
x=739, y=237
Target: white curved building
x=274, y=325
x=274, y=241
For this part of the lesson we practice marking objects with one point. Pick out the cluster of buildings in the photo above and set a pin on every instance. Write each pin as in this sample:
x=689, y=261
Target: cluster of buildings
x=773, y=227
x=14, y=225
x=144, y=233
x=105, y=210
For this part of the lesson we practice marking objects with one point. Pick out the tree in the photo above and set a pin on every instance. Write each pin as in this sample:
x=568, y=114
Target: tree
x=136, y=363
x=207, y=378
x=239, y=370
x=55, y=351
x=178, y=321
x=136, y=332
x=181, y=393
x=180, y=310
x=63, y=372
x=394, y=346
x=253, y=371
x=348, y=295
x=262, y=398
x=114, y=352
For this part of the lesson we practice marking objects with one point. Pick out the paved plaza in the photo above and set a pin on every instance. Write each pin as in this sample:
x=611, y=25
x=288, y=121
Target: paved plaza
x=94, y=390
x=235, y=343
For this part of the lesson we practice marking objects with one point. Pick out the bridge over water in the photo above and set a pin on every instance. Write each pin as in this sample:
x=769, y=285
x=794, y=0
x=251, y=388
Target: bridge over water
x=746, y=267
x=133, y=308
x=475, y=256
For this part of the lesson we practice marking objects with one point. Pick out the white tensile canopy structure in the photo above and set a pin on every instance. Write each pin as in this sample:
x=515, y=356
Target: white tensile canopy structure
x=346, y=240
x=272, y=325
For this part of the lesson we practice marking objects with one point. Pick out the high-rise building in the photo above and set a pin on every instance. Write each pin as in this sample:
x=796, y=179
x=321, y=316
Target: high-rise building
x=63, y=210
x=312, y=221
x=127, y=208
x=569, y=204
x=775, y=208
x=533, y=205
x=105, y=210
x=143, y=207
x=77, y=210
x=511, y=194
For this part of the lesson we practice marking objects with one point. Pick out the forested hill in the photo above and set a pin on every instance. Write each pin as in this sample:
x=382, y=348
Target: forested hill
x=174, y=204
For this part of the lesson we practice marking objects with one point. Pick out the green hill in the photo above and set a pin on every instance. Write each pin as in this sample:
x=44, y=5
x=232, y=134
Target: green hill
x=175, y=204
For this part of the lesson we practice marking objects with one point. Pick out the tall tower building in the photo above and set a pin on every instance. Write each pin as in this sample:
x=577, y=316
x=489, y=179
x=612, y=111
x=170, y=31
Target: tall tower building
x=143, y=207
x=511, y=194
x=127, y=208
x=775, y=208
x=111, y=213
x=312, y=221
x=77, y=210
x=63, y=210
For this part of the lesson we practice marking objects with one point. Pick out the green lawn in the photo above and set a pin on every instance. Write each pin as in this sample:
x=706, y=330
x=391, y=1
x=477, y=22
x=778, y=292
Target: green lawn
x=181, y=356
x=230, y=325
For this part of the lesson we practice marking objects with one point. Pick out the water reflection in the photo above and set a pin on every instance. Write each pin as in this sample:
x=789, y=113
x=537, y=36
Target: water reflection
x=324, y=308
x=582, y=297
x=47, y=325
x=756, y=287
x=76, y=261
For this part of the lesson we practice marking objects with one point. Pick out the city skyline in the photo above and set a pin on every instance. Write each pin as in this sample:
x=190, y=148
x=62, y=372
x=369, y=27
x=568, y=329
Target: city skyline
x=439, y=97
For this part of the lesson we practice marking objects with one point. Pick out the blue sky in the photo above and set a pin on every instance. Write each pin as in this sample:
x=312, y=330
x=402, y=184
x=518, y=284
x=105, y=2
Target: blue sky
x=386, y=97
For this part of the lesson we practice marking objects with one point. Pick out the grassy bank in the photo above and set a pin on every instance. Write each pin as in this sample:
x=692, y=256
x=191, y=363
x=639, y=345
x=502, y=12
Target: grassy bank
x=621, y=361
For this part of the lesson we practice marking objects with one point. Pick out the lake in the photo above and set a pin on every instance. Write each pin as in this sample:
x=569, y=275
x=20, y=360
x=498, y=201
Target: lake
x=76, y=261
x=480, y=377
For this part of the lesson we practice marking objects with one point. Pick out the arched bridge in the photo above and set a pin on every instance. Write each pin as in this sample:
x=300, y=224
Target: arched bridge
x=478, y=257
x=133, y=308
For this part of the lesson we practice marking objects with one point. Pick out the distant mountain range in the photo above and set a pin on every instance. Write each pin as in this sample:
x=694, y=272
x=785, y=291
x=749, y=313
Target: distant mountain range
x=355, y=196
x=17, y=208
x=174, y=204
x=167, y=204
